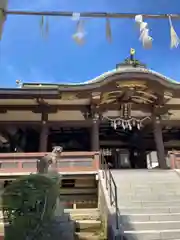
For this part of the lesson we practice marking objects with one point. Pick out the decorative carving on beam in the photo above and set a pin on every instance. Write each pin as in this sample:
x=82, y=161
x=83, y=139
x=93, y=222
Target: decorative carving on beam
x=167, y=96
x=95, y=98
x=91, y=112
x=87, y=113
x=162, y=111
x=93, y=109
x=110, y=97
x=44, y=107
x=166, y=116
x=141, y=85
x=129, y=95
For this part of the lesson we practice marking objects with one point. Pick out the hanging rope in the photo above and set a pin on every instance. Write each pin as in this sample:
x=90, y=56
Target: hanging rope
x=92, y=14
x=79, y=35
x=44, y=26
x=108, y=30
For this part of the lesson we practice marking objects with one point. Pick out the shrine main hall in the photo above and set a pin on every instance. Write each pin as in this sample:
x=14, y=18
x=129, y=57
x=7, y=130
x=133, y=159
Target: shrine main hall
x=125, y=113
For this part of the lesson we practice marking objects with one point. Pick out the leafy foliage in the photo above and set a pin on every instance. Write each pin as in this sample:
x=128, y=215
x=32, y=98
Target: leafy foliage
x=28, y=206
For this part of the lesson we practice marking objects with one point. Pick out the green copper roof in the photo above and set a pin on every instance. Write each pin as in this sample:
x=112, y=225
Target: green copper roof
x=119, y=70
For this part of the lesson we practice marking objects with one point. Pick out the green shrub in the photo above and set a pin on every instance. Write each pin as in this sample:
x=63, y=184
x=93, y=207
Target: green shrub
x=28, y=206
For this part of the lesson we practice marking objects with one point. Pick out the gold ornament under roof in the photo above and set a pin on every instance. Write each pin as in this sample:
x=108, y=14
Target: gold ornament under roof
x=132, y=51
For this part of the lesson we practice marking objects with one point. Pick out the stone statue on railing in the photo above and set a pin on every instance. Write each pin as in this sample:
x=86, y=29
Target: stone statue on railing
x=48, y=165
x=49, y=162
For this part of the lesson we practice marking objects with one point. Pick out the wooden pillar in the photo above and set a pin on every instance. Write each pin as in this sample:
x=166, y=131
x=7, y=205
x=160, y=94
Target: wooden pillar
x=3, y=5
x=158, y=137
x=95, y=135
x=43, y=139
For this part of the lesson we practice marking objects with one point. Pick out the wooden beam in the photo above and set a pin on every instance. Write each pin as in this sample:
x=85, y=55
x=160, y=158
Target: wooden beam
x=73, y=123
x=24, y=93
x=3, y=6
x=39, y=108
x=93, y=14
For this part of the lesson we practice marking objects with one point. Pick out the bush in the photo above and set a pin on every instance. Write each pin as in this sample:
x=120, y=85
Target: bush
x=28, y=206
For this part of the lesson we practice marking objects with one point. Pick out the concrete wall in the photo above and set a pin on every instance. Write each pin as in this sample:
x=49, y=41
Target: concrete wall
x=107, y=212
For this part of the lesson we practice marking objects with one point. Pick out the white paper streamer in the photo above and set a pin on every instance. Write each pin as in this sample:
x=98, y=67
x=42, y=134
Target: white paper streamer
x=80, y=33
x=76, y=16
x=138, y=19
x=143, y=25
x=175, y=41
x=144, y=32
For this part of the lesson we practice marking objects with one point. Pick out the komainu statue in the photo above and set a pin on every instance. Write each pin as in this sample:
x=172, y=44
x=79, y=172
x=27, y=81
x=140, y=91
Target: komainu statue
x=49, y=162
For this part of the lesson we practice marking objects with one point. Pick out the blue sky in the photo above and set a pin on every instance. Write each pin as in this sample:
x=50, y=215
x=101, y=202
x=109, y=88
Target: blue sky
x=25, y=55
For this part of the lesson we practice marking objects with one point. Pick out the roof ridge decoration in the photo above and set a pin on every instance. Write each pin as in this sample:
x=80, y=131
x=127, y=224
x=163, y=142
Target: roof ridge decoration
x=110, y=73
x=129, y=65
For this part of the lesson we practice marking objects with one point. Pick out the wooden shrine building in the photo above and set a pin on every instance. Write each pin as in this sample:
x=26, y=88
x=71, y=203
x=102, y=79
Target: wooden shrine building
x=130, y=109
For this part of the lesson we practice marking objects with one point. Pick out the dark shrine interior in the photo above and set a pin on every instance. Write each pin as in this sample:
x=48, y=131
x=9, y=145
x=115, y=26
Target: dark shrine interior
x=79, y=139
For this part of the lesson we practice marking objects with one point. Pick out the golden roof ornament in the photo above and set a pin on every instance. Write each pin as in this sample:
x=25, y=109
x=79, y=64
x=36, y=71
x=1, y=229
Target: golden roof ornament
x=131, y=61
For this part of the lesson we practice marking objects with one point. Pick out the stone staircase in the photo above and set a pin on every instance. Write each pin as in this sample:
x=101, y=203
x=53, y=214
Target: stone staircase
x=149, y=203
x=87, y=223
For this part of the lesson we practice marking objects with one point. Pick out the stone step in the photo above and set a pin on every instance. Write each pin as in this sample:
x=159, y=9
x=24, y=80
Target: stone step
x=150, y=217
x=87, y=236
x=148, y=210
x=142, y=204
x=153, y=235
x=148, y=177
x=148, y=187
x=147, y=180
x=151, y=225
x=145, y=187
x=123, y=193
x=87, y=226
x=83, y=214
x=82, y=211
x=171, y=197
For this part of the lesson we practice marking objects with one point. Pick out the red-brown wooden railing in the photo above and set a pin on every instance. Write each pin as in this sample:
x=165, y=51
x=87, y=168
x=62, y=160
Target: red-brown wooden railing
x=22, y=163
x=174, y=157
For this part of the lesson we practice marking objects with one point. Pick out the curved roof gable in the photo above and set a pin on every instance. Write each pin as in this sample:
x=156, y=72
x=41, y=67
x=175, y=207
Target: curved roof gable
x=122, y=72
x=131, y=70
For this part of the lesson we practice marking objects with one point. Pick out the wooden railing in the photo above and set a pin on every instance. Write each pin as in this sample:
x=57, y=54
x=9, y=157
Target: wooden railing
x=174, y=157
x=22, y=163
